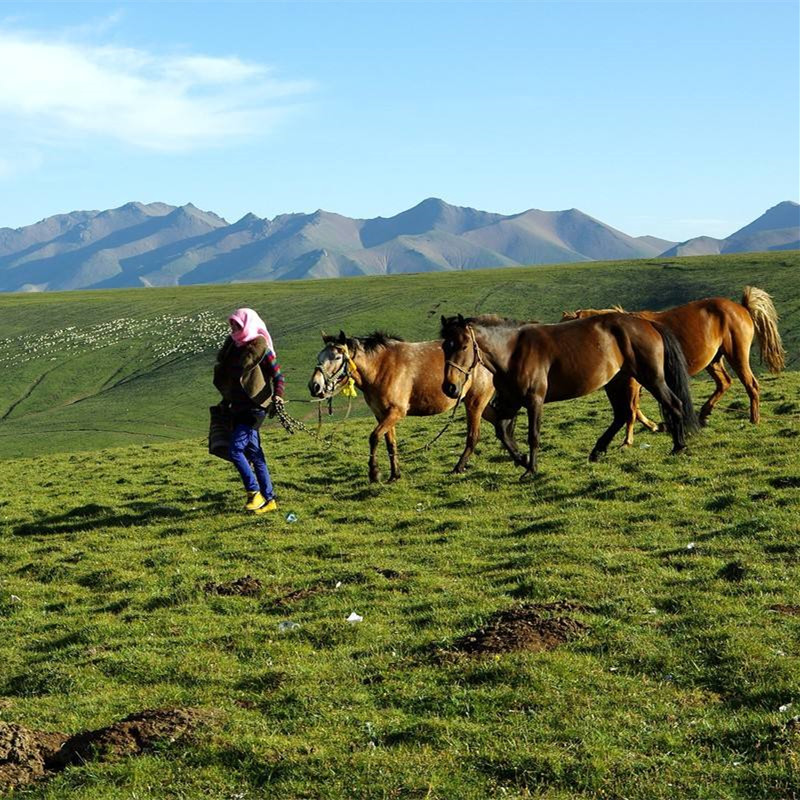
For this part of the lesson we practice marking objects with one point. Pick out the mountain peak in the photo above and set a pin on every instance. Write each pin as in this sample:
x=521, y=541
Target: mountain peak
x=785, y=214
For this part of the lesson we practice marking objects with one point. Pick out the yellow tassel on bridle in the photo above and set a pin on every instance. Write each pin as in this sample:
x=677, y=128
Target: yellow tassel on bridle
x=350, y=389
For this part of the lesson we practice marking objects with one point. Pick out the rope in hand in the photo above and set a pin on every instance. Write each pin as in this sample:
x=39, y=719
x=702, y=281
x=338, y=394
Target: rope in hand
x=292, y=425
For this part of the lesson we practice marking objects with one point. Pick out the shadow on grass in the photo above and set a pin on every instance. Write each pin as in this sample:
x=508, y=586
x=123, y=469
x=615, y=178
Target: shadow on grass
x=93, y=516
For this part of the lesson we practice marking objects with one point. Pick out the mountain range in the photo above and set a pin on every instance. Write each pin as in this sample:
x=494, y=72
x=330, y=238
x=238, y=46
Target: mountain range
x=157, y=244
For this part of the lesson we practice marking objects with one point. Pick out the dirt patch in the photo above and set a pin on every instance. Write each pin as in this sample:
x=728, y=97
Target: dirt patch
x=297, y=595
x=532, y=628
x=390, y=574
x=26, y=755
x=248, y=586
x=781, y=608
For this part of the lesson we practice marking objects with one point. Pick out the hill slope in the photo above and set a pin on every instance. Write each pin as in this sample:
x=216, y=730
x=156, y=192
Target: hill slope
x=111, y=367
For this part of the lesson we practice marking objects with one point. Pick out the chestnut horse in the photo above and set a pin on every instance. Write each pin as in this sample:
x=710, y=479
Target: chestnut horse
x=536, y=364
x=398, y=379
x=708, y=331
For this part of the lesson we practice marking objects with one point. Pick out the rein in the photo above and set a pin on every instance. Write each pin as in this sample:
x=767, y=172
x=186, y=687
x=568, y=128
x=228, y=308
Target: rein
x=476, y=358
x=468, y=373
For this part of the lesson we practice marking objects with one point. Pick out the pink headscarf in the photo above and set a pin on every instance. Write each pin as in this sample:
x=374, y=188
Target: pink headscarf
x=252, y=327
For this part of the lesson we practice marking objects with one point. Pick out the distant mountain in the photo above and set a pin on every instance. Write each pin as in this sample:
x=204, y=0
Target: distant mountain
x=776, y=229
x=157, y=244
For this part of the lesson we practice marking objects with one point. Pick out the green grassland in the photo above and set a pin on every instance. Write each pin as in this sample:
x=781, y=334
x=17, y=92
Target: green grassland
x=683, y=570
x=135, y=365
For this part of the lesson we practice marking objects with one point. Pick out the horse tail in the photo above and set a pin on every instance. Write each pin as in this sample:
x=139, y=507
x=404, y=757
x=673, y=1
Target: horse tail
x=676, y=373
x=765, y=319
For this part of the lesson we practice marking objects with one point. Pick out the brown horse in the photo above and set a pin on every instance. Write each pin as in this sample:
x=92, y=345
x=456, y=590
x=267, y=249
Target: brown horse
x=708, y=331
x=537, y=364
x=398, y=379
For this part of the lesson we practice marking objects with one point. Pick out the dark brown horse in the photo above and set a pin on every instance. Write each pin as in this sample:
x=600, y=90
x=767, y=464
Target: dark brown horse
x=398, y=379
x=708, y=331
x=537, y=364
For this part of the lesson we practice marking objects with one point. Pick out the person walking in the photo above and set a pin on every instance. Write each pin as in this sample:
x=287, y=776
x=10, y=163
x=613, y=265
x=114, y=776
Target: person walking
x=249, y=378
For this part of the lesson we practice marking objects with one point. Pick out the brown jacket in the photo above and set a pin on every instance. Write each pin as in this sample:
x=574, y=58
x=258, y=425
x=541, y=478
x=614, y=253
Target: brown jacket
x=238, y=375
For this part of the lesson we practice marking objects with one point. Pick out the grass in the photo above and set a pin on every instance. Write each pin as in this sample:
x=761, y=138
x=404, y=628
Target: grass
x=134, y=365
x=676, y=689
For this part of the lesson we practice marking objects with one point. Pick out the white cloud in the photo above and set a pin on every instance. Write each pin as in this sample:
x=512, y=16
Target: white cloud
x=150, y=101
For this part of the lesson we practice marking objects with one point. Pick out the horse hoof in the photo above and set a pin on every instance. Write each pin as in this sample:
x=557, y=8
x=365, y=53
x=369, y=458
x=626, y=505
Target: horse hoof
x=526, y=476
x=703, y=421
x=375, y=478
x=660, y=428
x=596, y=455
x=676, y=451
x=394, y=478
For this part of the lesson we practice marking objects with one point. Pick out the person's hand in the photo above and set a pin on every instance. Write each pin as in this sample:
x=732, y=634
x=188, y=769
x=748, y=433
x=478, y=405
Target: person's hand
x=275, y=406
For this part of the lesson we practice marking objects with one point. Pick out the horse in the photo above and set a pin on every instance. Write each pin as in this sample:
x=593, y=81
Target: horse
x=398, y=379
x=708, y=331
x=536, y=364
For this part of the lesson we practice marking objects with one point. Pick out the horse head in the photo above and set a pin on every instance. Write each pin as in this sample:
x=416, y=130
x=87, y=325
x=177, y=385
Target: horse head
x=333, y=365
x=461, y=354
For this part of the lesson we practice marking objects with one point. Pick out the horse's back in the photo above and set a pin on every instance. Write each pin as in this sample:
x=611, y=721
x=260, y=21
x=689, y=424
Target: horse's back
x=703, y=327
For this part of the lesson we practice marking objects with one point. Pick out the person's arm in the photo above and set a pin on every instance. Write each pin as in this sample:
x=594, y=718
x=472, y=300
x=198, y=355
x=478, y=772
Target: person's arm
x=272, y=370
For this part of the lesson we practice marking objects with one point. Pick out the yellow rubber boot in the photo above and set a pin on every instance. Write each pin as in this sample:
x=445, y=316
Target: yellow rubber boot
x=270, y=505
x=254, y=500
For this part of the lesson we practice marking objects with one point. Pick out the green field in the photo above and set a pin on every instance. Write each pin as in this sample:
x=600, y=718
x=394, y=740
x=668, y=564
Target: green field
x=677, y=576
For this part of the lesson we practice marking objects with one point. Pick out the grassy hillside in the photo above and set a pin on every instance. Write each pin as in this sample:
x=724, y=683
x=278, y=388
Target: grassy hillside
x=83, y=370
x=663, y=625
x=677, y=579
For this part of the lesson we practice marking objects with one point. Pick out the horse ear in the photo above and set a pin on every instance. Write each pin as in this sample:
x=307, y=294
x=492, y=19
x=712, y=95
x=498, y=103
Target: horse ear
x=444, y=320
x=342, y=338
x=460, y=319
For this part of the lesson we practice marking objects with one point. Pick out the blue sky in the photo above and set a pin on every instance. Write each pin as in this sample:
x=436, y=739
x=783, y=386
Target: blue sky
x=674, y=119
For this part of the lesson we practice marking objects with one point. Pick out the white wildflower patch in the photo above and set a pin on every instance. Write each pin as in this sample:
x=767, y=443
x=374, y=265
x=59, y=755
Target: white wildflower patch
x=170, y=336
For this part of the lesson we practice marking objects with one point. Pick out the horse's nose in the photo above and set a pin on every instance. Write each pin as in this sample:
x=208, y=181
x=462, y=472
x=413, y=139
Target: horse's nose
x=450, y=389
x=314, y=388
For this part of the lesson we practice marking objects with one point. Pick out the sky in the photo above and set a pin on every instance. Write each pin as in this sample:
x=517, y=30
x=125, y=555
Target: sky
x=674, y=119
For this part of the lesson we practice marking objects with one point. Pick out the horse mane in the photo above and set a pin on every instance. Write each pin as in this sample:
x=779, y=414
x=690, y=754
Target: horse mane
x=487, y=320
x=377, y=339
x=582, y=313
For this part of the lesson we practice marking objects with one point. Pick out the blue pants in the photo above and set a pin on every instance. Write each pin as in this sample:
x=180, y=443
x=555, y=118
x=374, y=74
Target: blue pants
x=245, y=450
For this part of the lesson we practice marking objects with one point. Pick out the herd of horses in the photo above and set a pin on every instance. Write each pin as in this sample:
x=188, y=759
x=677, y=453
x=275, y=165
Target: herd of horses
x=496, y=367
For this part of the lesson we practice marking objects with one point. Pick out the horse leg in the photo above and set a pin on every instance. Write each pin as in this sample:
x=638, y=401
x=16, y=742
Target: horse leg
x=654, y=427
x=476, y=408
x=505, y=422
x=635, y=414
x=623, y=393
x=391, y=446
x=671, y=405
x=716, y=369
x=388, y=422
x=740, y=361
x=535, y=406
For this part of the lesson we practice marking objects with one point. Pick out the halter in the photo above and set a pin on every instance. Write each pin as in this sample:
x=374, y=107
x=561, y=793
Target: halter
x=341, y=378
x=476, y=359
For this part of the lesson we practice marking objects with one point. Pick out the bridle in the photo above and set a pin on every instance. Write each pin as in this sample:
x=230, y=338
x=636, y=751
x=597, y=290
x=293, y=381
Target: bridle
x=348, y=370
x=476, y=358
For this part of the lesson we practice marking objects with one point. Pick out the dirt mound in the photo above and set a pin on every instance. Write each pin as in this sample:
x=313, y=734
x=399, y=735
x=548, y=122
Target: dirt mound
x=526, y=627
x=782, y=608
x=248, y=586
x=26, y=755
